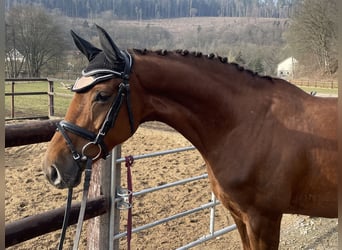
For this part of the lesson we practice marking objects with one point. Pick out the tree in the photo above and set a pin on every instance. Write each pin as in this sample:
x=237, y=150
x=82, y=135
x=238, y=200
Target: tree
x=14, y=60
x=312, y=35
x=256, y=65
x=239, y=59
x=37, y=36
x=126, y=9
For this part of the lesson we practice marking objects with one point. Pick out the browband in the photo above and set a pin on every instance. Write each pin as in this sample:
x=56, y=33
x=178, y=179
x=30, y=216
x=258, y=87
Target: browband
x=100, y=71
x=90, y=78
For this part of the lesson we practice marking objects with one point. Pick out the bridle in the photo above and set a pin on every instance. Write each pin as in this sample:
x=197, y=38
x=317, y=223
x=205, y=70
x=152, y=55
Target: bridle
x=95, y=139
x=109, y=121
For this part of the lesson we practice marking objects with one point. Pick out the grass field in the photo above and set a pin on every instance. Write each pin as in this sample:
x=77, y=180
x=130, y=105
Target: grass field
x=320, y=90
x=36, y=105
x=26, y=106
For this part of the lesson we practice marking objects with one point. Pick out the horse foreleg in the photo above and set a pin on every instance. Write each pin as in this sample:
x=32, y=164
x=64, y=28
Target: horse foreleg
x=242, y=228
x=263, y=230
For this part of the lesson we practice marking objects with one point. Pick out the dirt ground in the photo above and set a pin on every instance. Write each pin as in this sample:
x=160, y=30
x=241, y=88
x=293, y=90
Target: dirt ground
x=28, y=193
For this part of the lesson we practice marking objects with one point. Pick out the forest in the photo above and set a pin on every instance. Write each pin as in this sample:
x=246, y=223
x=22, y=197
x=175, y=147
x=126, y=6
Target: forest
x=151, y=9
x=39, y=34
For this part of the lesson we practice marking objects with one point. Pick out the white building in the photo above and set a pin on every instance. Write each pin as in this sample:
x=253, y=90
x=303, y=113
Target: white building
x=14, y=61
x=286, y=69
x=14, y=54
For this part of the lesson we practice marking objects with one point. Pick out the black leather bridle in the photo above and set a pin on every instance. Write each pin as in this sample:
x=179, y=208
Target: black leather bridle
x=110, y=119
x=95, y=139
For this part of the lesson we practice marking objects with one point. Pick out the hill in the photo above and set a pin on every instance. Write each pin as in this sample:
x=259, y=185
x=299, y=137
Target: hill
x=150, y=9
x=248, y=41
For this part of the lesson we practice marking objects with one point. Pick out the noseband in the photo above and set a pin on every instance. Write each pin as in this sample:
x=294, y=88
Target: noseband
x=95, y=139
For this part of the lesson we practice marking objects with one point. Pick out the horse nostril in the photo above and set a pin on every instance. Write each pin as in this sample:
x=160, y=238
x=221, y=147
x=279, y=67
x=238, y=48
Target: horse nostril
x=54, y=175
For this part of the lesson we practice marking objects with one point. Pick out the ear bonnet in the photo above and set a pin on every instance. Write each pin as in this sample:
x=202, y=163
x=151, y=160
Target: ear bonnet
x=103, y=64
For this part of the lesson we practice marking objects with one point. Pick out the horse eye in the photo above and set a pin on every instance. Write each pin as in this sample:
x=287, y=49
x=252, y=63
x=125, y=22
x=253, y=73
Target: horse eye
x=102, y=97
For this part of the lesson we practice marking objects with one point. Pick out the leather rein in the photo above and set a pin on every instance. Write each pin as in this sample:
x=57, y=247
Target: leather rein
x=95, y=140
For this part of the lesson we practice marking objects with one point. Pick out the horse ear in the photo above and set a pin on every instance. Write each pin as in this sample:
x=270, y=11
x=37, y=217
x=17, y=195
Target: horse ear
x=87, y=49
x=112, y=52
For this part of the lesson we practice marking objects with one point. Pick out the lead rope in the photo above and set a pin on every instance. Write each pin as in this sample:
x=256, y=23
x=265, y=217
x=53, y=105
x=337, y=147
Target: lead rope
x=87, y=176
x=129, y=162
x=65, y=220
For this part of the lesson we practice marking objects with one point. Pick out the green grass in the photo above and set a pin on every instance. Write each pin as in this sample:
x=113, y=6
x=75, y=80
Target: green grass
x=26, y=106
x=320, y=90
x=35, y=105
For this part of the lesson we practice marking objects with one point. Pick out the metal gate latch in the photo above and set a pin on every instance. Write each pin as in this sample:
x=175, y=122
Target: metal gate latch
x=124, y=203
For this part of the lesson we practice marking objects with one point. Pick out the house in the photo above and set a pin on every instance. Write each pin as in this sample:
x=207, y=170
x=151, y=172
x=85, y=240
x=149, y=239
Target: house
x=13, y=55
x=286, y=69
x=14, y=64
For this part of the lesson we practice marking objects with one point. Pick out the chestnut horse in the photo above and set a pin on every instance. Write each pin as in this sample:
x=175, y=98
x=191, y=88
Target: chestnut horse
x=269, y=147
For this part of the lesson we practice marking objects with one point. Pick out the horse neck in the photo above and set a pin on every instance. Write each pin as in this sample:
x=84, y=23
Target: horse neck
x=196, y=96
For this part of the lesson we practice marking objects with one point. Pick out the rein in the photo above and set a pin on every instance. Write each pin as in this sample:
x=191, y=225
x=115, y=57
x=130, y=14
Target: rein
x=86, y=185
x=94, y=139
x=129, y=162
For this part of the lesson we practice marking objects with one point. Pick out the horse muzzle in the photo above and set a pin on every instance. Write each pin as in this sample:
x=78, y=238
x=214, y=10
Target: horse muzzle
x=65, y=179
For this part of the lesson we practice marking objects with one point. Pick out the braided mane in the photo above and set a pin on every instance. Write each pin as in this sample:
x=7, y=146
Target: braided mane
x=211, y=56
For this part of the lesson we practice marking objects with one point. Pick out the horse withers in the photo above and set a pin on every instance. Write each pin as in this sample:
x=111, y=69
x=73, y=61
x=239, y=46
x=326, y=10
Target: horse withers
x=269, y=147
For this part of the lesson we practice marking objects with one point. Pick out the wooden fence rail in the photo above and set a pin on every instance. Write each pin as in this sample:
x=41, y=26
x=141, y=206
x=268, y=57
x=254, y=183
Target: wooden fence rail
x=40, y=224
x=49, y=93
x=329, y=84
x=49, y=221
x=29, y=132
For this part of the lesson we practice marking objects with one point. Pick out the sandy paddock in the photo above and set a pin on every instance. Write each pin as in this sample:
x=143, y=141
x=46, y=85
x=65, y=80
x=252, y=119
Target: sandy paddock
x=28, y=193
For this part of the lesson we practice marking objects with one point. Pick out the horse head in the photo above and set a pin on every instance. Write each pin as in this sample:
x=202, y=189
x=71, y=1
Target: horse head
x=100, y=115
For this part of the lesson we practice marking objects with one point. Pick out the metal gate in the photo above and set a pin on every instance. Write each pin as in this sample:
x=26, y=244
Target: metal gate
x=120, y=200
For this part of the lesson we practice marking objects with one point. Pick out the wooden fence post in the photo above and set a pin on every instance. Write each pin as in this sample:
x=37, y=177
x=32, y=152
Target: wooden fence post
x=116, y=182
x=51, y=99
x=12, y=102
x=106, y=177
x=98, y=228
